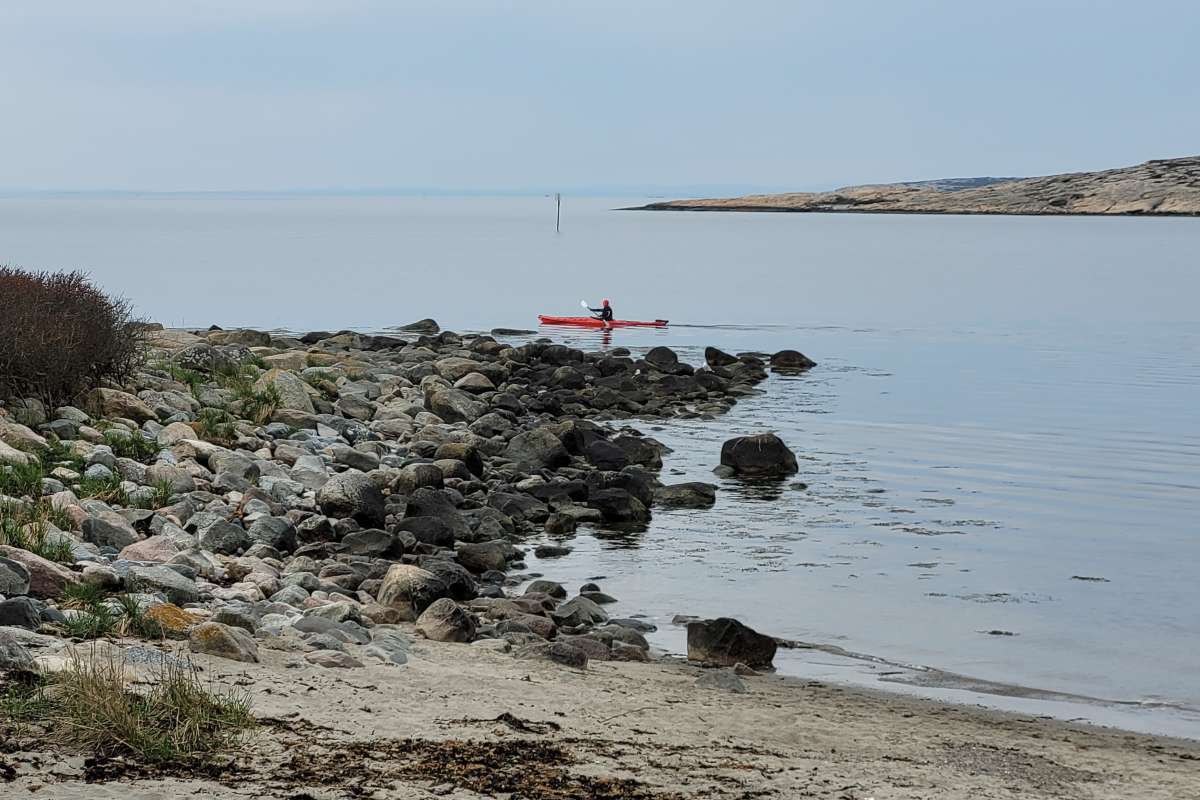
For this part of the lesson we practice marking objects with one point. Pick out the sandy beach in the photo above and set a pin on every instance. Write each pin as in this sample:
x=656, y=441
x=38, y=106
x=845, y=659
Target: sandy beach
x=459, y=721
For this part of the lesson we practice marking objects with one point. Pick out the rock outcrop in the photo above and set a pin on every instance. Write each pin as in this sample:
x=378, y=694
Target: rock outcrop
x=1162, y=187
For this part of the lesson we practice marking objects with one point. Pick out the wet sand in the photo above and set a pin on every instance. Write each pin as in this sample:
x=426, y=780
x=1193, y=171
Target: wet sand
x=459, y=721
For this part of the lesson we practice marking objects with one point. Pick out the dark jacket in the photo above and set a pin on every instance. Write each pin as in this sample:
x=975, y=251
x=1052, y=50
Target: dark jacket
x=605, y=313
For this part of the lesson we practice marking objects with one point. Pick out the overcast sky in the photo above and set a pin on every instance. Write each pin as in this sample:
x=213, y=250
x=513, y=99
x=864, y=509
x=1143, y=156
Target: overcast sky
x=286, y=94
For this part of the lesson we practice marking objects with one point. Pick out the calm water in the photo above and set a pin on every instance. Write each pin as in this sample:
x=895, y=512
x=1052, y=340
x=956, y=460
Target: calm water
x=1003, y=406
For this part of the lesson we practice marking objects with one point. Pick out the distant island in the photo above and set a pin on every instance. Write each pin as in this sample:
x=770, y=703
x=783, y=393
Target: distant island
x=1166, y=187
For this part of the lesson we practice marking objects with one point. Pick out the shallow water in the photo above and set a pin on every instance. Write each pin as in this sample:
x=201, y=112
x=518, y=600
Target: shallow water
x=1002, y=408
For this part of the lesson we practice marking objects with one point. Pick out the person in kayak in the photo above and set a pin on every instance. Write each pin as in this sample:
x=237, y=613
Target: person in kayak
x=605, y=312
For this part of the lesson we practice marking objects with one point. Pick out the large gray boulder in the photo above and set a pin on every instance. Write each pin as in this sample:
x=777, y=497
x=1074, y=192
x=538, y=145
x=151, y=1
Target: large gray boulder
x=761, y=456
x=537, y=449
x=454, y=405
x=727, y=642
x=14, y=577
x=446, y=621
x=157, y=578
x=108, y=529
x=13, y=655
x=223, y=537
x=410, y=590
x=293, y=392
x=277, y=532
x=353, y=494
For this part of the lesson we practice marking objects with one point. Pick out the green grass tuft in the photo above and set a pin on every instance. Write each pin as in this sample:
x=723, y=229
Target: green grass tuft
x=108, y=490
x=82, y=595
x=20, y=480
x=26, y=526
x=131, y=445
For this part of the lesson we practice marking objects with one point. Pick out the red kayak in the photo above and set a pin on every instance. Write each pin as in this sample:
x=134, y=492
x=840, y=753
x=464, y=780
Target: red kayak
x=592, y=322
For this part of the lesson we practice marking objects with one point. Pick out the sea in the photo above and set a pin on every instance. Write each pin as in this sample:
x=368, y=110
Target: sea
x=998, y=500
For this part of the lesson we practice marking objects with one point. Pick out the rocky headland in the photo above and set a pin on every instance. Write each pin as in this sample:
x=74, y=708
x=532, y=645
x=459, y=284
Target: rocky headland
x=1166, y=187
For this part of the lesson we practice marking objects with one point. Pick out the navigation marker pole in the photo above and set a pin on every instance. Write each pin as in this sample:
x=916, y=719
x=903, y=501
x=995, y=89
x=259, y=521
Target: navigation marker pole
x=557, y=211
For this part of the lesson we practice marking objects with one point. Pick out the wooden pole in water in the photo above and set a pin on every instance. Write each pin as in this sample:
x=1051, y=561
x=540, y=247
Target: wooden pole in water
x=557, y=211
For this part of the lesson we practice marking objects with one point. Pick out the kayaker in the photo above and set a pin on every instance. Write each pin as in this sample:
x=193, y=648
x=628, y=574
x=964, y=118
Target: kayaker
x=605, y=311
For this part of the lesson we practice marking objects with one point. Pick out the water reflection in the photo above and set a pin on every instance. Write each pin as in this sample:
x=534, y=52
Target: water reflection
x=757, y=488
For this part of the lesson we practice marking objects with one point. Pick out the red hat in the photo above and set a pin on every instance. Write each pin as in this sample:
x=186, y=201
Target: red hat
x=605, y=304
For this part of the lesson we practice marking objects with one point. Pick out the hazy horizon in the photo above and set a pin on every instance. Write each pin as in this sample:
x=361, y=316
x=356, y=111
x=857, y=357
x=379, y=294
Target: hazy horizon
x=625, y=98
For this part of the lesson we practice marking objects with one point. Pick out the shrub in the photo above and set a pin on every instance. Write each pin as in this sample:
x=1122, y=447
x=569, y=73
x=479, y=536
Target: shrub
x=61, y=336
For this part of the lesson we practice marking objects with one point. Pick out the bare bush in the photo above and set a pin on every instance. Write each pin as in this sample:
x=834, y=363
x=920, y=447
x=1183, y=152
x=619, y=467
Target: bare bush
x=60, y=335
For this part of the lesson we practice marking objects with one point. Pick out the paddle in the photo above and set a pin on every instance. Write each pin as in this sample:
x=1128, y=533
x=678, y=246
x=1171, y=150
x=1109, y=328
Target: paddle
x=585, y=305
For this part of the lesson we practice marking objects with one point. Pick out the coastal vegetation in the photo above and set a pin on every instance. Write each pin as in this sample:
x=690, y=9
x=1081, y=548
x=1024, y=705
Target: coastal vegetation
x=60, y=335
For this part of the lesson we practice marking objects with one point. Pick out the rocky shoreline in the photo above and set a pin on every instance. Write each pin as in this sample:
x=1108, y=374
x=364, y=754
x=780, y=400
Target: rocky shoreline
x=335, y=524
x=320, y=494
x=1165, y=187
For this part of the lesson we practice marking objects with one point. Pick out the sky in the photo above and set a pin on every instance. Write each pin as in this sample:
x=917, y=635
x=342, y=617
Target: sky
x=586, y=96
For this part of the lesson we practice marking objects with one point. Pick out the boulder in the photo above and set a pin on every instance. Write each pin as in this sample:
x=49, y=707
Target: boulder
x=558, y=652
x=410, y=589
x=13, y=655
x=46, y=578
x=475, y=383
x=14, y=577
x=277, y=532
x=108, y=529
x=11, y=455
x=445, y=621
x=760, y=456
x=454, y=368
x=20, y=612
x=223, y=537
x=177, y=589
x=421, y=326
x=293, y=392
x=791, y=361
x=718, y=358
x=537, y=449
x=20, y=436
x=417, y=476
x=727, y=642
x=246, y=337
x=454, y=405
x=353, y=494
x=484, y=556
x=605, y=455
x=618, y=505
x=686, y=495
x=115, y=403
x=578, y=611
x=179, y=478
x=223, y=641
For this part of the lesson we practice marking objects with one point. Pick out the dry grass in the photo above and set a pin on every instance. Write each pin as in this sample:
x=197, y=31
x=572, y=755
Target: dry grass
x=92, y=706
